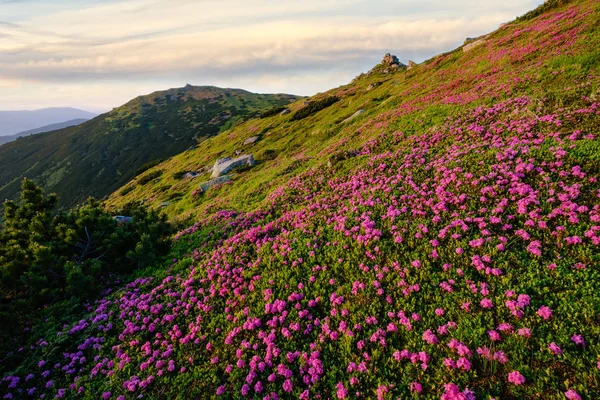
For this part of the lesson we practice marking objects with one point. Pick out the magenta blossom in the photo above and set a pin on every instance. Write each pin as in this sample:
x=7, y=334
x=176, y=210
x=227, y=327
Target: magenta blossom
x=554, y=348
x=342, y=392
x=516, y=378
x=416, y=387
x=544, y=312
x=578, y=340
x=572, y=395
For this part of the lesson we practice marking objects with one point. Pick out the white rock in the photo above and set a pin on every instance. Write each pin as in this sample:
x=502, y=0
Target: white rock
x=473, y=44
x=217, y=181
x=251, y=140
x=356, y=114
x=224, y=165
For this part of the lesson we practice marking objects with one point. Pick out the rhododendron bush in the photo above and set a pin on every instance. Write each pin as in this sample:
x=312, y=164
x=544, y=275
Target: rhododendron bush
x=459, y=262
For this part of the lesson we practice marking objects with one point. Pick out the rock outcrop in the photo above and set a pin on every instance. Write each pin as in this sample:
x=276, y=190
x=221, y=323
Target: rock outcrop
x=251, y=140
x=373, y=86
x=411, y=64
x=473, y=44
x=356, y=114
x=392, y=62
x=191, y=175
x=217, y=181
x=224, y=165
x=390, y=59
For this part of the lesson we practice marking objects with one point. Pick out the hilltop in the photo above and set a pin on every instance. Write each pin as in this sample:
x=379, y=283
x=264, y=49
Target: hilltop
x=426, y=231
x=102, y=154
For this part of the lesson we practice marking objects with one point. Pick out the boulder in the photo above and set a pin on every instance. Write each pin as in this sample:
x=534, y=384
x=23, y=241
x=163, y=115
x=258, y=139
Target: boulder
x=373, y=86
x=411, y=64
x=251, y=140
x=473, y=44
x=284, y=112
x=191, y=175
x=217, y=181
x=390, y=59
x=224, y=165
x=356, y=114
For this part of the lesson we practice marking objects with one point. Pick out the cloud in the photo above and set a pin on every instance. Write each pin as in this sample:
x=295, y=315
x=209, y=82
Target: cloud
x=146, y=41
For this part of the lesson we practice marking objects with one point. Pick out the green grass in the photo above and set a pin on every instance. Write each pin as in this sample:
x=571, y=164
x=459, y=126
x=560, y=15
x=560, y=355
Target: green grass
x=103, y=154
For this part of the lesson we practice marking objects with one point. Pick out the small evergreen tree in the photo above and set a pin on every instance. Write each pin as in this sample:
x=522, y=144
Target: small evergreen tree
x=47, y=257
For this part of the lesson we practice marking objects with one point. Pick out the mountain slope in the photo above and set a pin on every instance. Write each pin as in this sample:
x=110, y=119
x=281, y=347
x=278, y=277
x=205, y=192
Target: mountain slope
x=102, y=154
x=46, y=128
x=517, y=59
x=13, y=122
x=440, y=245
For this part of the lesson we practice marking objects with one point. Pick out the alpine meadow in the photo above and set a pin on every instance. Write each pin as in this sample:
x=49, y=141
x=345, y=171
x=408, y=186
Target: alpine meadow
x=427, y=231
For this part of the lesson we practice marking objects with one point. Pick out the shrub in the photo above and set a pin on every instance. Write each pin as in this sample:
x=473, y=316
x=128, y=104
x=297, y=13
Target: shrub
x=178, y=175
x=314, y=107
x=548, y=5
x=175, y=195
x=271, y=112
x=268, y=155
x=47, y=257
x=126, y=190
x=149, y=177
x=147, y=166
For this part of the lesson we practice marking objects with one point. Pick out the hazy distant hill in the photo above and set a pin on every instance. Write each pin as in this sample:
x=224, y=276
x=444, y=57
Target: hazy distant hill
x=47, y=128
x=13, y=122
x=102, y=154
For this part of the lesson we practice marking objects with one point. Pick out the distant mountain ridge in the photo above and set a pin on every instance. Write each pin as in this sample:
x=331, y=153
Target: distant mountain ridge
x=14, y=122
x=100, y=155
x=47, y=128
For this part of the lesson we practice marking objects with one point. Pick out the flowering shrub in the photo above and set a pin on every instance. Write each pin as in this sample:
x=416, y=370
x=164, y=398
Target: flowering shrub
x=459, y=262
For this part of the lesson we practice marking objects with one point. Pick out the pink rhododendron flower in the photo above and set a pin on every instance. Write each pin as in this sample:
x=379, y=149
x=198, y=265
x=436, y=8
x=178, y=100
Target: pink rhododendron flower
x=524, y=332
x=554, y=348
x=453, y=392
x=578, y=340
x=516, y=378
x=342, y=392
x=572, y=395
x=416, y=387
x=544, y=312
x=486, y=303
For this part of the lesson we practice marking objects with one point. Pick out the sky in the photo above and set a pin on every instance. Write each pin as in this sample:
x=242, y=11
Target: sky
x=98, y=54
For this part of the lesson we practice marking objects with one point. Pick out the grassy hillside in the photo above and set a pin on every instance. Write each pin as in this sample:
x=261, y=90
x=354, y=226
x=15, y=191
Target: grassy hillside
x=101, y=155
x=440, y=245
x=521, y=58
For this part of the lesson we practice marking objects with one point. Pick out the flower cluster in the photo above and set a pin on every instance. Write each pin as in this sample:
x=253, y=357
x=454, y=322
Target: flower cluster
x=450, y=263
